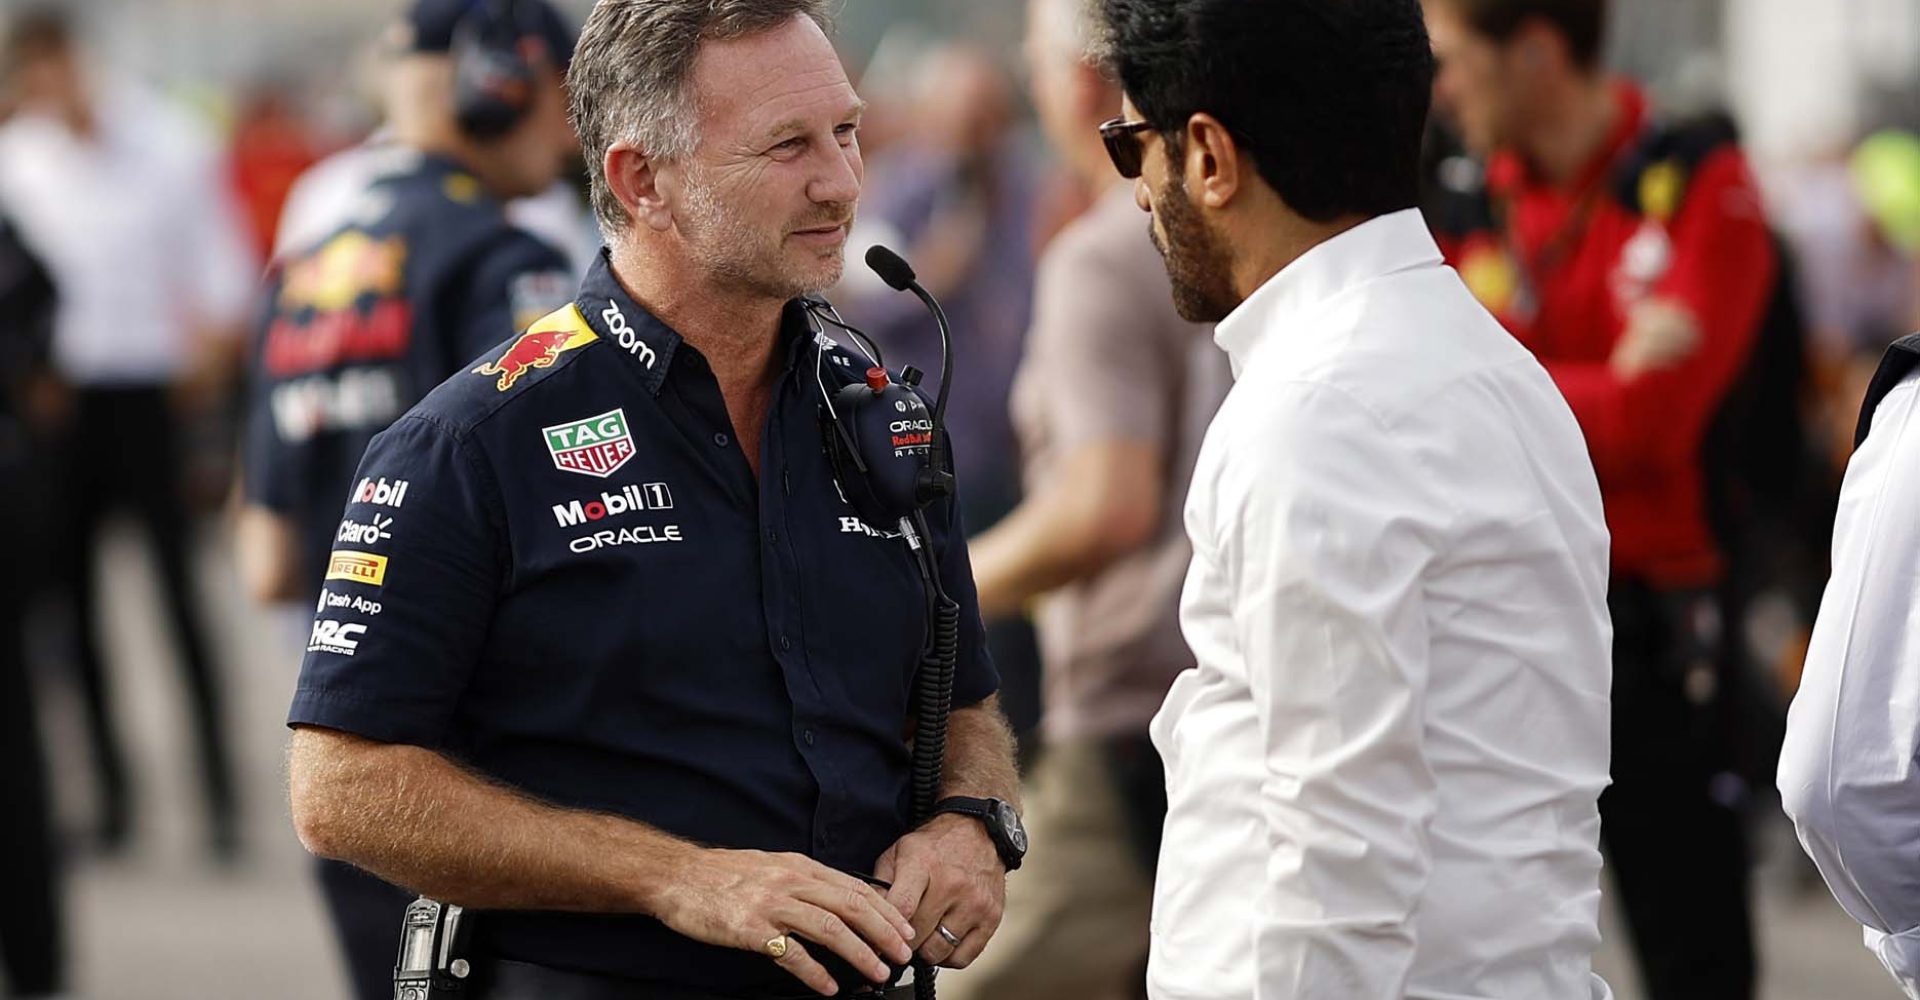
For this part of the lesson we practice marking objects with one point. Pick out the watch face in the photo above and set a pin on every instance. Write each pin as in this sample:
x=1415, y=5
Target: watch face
x=1010, y=822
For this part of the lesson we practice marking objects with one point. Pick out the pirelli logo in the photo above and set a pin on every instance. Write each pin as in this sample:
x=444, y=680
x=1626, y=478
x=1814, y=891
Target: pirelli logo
x=357, y=567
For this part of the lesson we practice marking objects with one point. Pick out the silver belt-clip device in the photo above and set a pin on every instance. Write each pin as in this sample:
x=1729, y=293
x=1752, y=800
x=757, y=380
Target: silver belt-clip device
x=428, y=968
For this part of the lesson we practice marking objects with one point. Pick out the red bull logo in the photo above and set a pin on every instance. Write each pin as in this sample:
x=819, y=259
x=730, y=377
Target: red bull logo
x=349, y=266
x=540, y=347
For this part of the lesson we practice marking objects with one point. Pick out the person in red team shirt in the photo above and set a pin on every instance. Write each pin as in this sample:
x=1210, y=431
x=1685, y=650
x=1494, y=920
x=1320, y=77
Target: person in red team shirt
x=1633, y=258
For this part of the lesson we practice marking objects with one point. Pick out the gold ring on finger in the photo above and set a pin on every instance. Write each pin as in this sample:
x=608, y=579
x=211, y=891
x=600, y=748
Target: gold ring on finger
x=777, y=947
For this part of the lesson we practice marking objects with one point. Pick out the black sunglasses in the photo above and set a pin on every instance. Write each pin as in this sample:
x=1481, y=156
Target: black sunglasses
x=1123, y=144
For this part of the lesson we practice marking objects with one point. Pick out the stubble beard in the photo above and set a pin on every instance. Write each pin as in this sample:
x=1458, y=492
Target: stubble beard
x=1199, y=263
x=754, y=259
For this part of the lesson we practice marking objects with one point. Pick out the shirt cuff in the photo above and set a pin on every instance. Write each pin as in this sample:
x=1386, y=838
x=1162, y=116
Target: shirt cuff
x=1900, y=953
x=383, y=721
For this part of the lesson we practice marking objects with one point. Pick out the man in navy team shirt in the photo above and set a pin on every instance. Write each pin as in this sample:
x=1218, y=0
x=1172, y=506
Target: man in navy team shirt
x=605, y=656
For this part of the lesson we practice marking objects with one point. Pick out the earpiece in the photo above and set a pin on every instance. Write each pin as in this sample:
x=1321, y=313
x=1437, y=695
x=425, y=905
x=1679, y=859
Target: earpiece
x=883, y=442
x=493, y=80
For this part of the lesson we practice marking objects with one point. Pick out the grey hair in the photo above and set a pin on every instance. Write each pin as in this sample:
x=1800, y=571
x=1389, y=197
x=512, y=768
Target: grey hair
x=1071, y=28
x=629, y=78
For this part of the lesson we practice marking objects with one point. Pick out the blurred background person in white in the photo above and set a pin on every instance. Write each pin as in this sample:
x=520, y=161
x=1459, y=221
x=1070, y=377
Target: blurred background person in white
x=1850, y=770
x=121, y=196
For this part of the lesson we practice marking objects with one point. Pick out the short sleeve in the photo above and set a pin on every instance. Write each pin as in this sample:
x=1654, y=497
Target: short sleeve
x=509, y=288
x=409, y=590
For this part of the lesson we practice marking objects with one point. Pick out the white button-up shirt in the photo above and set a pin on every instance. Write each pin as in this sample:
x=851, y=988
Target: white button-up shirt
x=1383, y=774
x=141, y=237
x=1850, y=769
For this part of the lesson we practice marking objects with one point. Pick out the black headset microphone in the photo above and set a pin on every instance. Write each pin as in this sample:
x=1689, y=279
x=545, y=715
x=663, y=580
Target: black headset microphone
x=889, y=459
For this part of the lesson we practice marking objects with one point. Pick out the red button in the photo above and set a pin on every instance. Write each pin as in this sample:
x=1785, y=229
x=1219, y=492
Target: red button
x=876, y=379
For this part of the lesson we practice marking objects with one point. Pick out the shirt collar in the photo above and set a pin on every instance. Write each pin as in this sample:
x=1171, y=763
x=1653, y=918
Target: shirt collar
x=1382, y=245
x=647, y=343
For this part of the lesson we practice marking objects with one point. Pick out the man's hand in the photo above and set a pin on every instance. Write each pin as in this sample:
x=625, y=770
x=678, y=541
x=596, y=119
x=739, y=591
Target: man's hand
x=947, y=874
x=1660, y=333
x=744, y=899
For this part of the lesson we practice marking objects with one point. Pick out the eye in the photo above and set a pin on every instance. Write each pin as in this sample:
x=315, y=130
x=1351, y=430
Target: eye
x=791, y=146
x=847, y=132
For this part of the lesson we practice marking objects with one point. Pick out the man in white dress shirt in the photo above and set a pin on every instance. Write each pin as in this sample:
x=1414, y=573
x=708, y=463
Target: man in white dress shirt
x=1383, y=773
x=1850, y=769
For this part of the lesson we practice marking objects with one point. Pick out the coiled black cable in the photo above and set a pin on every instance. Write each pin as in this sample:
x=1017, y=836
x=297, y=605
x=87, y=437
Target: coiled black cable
x=933, y=704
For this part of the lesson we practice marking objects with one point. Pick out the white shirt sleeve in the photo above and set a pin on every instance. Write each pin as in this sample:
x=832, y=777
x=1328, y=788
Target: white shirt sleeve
x=1850, y=768
x=1329, y=548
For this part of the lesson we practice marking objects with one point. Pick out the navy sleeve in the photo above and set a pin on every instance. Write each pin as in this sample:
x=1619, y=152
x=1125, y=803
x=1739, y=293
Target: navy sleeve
x=510, y=286
x=409, y=590
x=975, y=676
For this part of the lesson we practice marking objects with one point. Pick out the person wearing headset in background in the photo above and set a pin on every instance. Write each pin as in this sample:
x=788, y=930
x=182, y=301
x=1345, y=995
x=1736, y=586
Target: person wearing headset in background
x=420, y=278
x=1631, y=255
x=602, y=651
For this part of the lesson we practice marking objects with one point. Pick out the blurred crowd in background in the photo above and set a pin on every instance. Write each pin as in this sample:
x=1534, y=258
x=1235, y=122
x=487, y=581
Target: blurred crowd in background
x=143, y=246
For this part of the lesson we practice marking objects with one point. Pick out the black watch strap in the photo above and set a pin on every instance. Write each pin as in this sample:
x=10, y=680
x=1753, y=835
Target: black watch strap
x=1009, y=844
x=965, y=806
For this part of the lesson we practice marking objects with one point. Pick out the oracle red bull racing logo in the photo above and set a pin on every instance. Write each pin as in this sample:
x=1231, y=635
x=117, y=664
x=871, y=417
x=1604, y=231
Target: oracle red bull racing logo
x=540, y=347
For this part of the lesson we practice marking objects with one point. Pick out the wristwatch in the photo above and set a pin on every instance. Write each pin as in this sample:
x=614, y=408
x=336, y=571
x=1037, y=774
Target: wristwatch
x=1002, y=823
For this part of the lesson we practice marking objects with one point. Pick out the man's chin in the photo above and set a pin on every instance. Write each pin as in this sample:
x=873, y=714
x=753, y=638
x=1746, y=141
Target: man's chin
x=815, y=275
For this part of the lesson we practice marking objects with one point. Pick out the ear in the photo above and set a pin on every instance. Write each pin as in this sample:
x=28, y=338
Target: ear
x=1212, y=169
x=635, y=182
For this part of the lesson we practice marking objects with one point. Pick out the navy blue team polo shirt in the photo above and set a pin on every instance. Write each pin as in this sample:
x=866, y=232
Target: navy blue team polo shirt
x=560, y=569
x=424, y=274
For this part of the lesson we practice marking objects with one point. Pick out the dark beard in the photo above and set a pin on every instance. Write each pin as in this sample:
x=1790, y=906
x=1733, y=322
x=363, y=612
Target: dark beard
x=1198, y=263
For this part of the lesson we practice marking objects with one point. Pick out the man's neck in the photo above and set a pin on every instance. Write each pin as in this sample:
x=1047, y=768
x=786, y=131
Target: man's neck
x=738, y=336
x=1277, y=238
x=447, y=143
x=1572, y=128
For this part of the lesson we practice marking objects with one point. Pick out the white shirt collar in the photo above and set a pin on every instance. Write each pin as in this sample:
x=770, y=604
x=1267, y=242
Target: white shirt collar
x=1379, y=246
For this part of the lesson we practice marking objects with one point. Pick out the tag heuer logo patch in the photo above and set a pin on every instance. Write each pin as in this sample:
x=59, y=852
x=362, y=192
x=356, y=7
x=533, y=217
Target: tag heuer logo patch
x=595, y=446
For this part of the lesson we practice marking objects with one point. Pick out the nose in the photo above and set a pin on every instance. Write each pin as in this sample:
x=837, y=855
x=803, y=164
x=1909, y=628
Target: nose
x=839, y=180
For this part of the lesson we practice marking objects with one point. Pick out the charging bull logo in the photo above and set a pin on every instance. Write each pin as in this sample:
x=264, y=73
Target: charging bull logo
x=349, y=266
x=561, y=331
